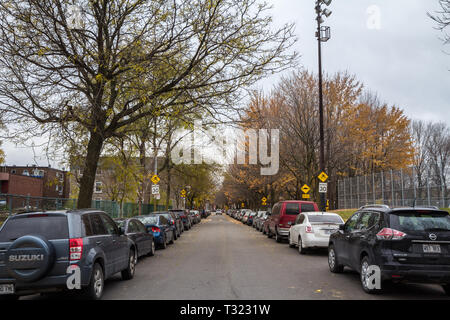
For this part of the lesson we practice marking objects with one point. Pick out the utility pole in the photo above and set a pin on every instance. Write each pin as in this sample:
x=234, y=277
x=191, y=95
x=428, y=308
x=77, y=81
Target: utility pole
x=322, y=35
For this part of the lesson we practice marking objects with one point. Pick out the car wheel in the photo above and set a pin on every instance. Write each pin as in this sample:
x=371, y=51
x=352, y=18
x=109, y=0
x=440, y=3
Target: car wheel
x=175, y=236
x=94, y=290
x=277, y=236
x=152, y=250
x=364, y=276
x=291, y=245
x=446, y=288
x=333, y=262
x=172, y=241
x=128, y=273
x=164, y=244
x=301, y=249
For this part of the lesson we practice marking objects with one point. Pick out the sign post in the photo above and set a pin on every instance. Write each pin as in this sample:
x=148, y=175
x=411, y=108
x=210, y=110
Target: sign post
x=323, y=190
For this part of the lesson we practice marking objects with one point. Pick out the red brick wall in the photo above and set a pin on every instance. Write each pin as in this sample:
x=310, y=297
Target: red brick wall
x=23, y=185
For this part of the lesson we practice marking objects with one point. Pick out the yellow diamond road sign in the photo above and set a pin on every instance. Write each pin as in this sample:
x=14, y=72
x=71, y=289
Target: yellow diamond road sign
x=155, y=179
x=305, y=189
x=323, y=177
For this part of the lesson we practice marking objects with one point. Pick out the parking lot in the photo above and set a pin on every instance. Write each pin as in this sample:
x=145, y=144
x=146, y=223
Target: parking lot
x=221, y=258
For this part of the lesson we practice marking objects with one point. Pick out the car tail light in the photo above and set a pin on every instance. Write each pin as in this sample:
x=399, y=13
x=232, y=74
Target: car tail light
x=75, y=248
x=156, y=230
x=309, y=229
x=390, y=234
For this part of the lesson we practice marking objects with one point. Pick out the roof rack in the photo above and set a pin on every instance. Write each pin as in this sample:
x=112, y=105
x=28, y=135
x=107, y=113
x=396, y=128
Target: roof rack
x=385, y=206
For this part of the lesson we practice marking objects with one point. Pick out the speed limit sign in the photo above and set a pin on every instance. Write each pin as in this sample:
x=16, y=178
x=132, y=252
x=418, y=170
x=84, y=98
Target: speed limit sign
x=323, y=187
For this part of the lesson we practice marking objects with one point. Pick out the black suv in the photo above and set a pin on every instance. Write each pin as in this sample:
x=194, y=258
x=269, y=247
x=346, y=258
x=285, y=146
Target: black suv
x=405, y=244
x=37, y=250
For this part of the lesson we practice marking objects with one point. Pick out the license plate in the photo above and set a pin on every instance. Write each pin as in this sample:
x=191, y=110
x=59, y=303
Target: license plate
x=431, y=248
x=6, y=289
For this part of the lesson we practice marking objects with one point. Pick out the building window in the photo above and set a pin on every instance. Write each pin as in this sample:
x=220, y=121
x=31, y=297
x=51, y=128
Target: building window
x=98, y=187
x=25, y=173
x=13, y=171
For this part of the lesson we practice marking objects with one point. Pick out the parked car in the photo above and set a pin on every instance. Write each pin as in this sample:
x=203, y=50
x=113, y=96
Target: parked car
x=219, y=212
x=406, y=244
x=245, y=216
x=259, y=220
x=313, y=230
x=178, y=224
x=53, y=241
x=159, y=225
x=172, y=223
x=184, y=218
x=283, y=216
x=137, y=232
x=251, y=216
x=195, y=214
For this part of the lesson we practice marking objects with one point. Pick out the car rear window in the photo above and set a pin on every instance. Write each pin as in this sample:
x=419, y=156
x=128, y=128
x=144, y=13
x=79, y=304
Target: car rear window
x=308, y=207
x=50, y=227
x=149, y=220
x=292, y=209
x=326, y=218
x=420, y=221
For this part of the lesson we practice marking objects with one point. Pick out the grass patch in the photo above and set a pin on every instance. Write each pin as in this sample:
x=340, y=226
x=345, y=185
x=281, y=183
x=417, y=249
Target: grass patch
x=345, y=213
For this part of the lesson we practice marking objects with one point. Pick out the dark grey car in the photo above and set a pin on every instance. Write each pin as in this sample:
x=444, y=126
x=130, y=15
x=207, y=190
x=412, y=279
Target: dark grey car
x=37, y=250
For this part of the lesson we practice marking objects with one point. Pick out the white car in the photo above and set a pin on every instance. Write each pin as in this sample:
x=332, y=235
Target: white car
x=313, y=230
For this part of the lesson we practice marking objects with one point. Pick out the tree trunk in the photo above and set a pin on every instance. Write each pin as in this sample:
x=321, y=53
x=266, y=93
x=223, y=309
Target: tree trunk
x=90, y=168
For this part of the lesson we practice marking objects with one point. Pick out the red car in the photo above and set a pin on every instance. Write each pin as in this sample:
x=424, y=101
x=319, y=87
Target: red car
x=283, y=215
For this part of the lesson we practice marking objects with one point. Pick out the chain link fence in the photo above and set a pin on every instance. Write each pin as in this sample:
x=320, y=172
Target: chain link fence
x=394, y=188
x=11, y=204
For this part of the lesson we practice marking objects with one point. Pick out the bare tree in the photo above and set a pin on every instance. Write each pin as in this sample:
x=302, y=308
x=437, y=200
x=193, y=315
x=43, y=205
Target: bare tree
x=131, y=59
x=442, y=17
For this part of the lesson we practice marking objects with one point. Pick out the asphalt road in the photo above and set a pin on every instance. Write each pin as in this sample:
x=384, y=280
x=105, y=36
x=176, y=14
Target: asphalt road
x=221, y=258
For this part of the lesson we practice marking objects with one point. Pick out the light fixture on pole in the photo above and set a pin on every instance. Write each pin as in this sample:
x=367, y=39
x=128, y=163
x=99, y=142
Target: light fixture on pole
x=323, y=34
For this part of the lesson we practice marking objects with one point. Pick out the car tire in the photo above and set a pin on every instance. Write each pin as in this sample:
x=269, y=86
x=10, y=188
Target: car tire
x=291, y=245
x=172, y=241
x=277, y=236
x=96, y=286
x=164, y=244
x=152, y=250
x=333, y=262
x=175, y=236
x=128, y=273
x=446, y=288
x=301, y=249
x=365, y=263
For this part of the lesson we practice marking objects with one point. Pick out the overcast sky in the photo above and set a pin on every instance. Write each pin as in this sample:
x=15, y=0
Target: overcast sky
x=403, y=60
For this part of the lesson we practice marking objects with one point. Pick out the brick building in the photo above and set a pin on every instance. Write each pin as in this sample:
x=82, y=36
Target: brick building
x=34, y=181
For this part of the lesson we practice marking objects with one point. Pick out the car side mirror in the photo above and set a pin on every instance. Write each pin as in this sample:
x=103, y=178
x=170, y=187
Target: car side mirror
x=342, y=227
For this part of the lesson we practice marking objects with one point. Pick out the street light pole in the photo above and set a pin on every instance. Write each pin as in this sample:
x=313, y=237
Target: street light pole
x=323, y=35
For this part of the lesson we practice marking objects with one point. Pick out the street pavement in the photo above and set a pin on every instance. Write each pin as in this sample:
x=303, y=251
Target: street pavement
x=221, y=258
